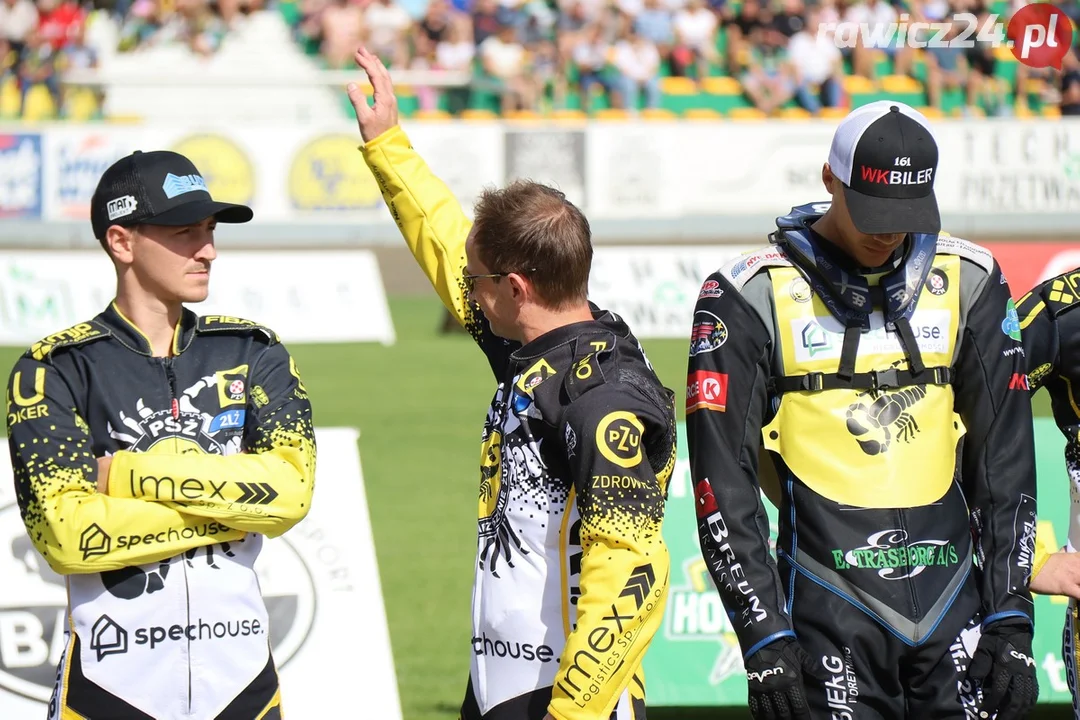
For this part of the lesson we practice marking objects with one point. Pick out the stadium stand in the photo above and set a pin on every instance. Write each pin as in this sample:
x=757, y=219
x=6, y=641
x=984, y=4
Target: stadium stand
x=564, y=59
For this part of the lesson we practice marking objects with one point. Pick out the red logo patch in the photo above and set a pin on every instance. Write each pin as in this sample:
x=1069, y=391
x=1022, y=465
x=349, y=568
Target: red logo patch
x=706, y=391
x=706, y=501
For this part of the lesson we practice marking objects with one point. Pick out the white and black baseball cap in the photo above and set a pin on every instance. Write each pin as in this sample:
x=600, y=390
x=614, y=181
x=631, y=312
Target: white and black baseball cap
x=886, y=156
x=157, y=188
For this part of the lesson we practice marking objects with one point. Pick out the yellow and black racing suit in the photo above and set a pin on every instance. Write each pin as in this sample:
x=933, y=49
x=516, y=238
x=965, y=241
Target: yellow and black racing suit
x=571, y=570
x=212, y=449
x=896, y=437
x=1050, y=324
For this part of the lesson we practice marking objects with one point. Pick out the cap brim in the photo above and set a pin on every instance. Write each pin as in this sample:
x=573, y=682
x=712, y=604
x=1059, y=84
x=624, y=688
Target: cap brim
x=195, y=212
x=884, y=216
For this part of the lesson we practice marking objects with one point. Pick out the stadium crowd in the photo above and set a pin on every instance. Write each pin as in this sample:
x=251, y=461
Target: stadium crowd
x=543, y=55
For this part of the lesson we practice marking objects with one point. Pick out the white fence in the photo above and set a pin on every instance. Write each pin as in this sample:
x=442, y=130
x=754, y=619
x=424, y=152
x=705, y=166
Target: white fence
x=637, y=181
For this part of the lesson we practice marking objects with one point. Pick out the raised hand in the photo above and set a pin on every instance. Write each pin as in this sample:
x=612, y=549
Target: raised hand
x=374, y=119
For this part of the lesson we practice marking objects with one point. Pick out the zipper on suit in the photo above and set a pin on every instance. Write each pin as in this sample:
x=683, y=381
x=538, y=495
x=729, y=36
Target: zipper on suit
x=174, y=407
x=910, y=581
x=174, y=403
x=187, y=603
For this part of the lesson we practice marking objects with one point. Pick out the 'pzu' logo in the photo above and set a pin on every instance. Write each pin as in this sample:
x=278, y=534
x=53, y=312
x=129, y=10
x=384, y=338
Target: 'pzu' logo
x=108, y=638
x=618, y=437
x=94, y=541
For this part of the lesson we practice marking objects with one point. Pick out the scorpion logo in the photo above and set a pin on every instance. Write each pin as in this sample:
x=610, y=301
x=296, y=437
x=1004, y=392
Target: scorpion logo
x=888, y=409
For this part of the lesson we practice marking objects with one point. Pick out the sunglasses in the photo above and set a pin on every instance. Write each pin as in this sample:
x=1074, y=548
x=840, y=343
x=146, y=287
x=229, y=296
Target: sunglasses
x=470, y=279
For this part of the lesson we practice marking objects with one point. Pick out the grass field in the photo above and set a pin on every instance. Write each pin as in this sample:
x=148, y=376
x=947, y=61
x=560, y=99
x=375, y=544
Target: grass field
x=419, y=406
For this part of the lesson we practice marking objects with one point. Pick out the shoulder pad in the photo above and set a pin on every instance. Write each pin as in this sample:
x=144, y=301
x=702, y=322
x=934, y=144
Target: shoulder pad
x=590, y=360
x=740, y=269
x=225, y=323
x=949, y=245
x=1061, y=292
x=75, y=335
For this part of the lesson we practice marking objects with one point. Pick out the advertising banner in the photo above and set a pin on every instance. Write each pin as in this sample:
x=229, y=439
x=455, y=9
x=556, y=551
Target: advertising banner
x=1008, y=166
x=75, y=159
x=287, y=174
x=655, y=288
x=312, y=296
x=1027, y=264
x=633, y=171
x=741, y=168
x=553, y=157
x=20, y=176
x=327, y=562
x=467, y=157
x=695, y=659
x=614, y=171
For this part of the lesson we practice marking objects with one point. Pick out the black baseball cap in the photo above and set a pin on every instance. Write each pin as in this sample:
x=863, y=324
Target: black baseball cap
x=157, y=188
x=886, y=156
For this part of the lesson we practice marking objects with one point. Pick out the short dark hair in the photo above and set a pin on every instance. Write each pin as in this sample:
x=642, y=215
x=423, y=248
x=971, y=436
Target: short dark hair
x=532, y=229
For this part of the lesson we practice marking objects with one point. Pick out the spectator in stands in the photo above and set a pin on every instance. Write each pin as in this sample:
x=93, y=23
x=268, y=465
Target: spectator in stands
x=980, y=59
x=10, y=97
x=505, y=61
x=768, y=78
x=434, y=25
x=77, y=55
x=200, y=27
x=873, y=23
x=655, y=24
x=9, y=59
x=234, y=12
x=571, y=26
x=341, y=30
x=423, y=58
x=38, y=70
x=18, y=18
x=695, y=39
x=946, y=66
x=829, y=10
x=982, y=86
x=550, y=84
x=309, y=29
x=590, y=56
x=1070, y=84
x=741, y=32
x=386, y=30
x=791, y=18
x=638, y=64
x=142, y=23
x=60, y=21
x=628, y=10
x=455, y=53
x=818, y=65
x=535, y=23
x=486, y=20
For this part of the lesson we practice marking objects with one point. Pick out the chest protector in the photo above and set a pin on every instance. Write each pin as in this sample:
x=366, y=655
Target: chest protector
x=865, y=415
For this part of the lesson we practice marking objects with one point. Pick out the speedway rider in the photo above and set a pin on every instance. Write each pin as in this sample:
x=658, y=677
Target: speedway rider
x=571, y=573
x=1050, y=324
x=873, y=362
x=153, y=450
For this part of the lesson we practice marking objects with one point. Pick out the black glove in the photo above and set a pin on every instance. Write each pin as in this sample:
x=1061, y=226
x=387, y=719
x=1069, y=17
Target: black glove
x=775, y=676
x=1003, y=665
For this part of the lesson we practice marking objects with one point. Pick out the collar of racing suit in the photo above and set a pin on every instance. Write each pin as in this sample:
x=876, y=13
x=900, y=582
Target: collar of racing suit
x=134, y=339
x=843, y=287
x=841, y=258
x=604, y=321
